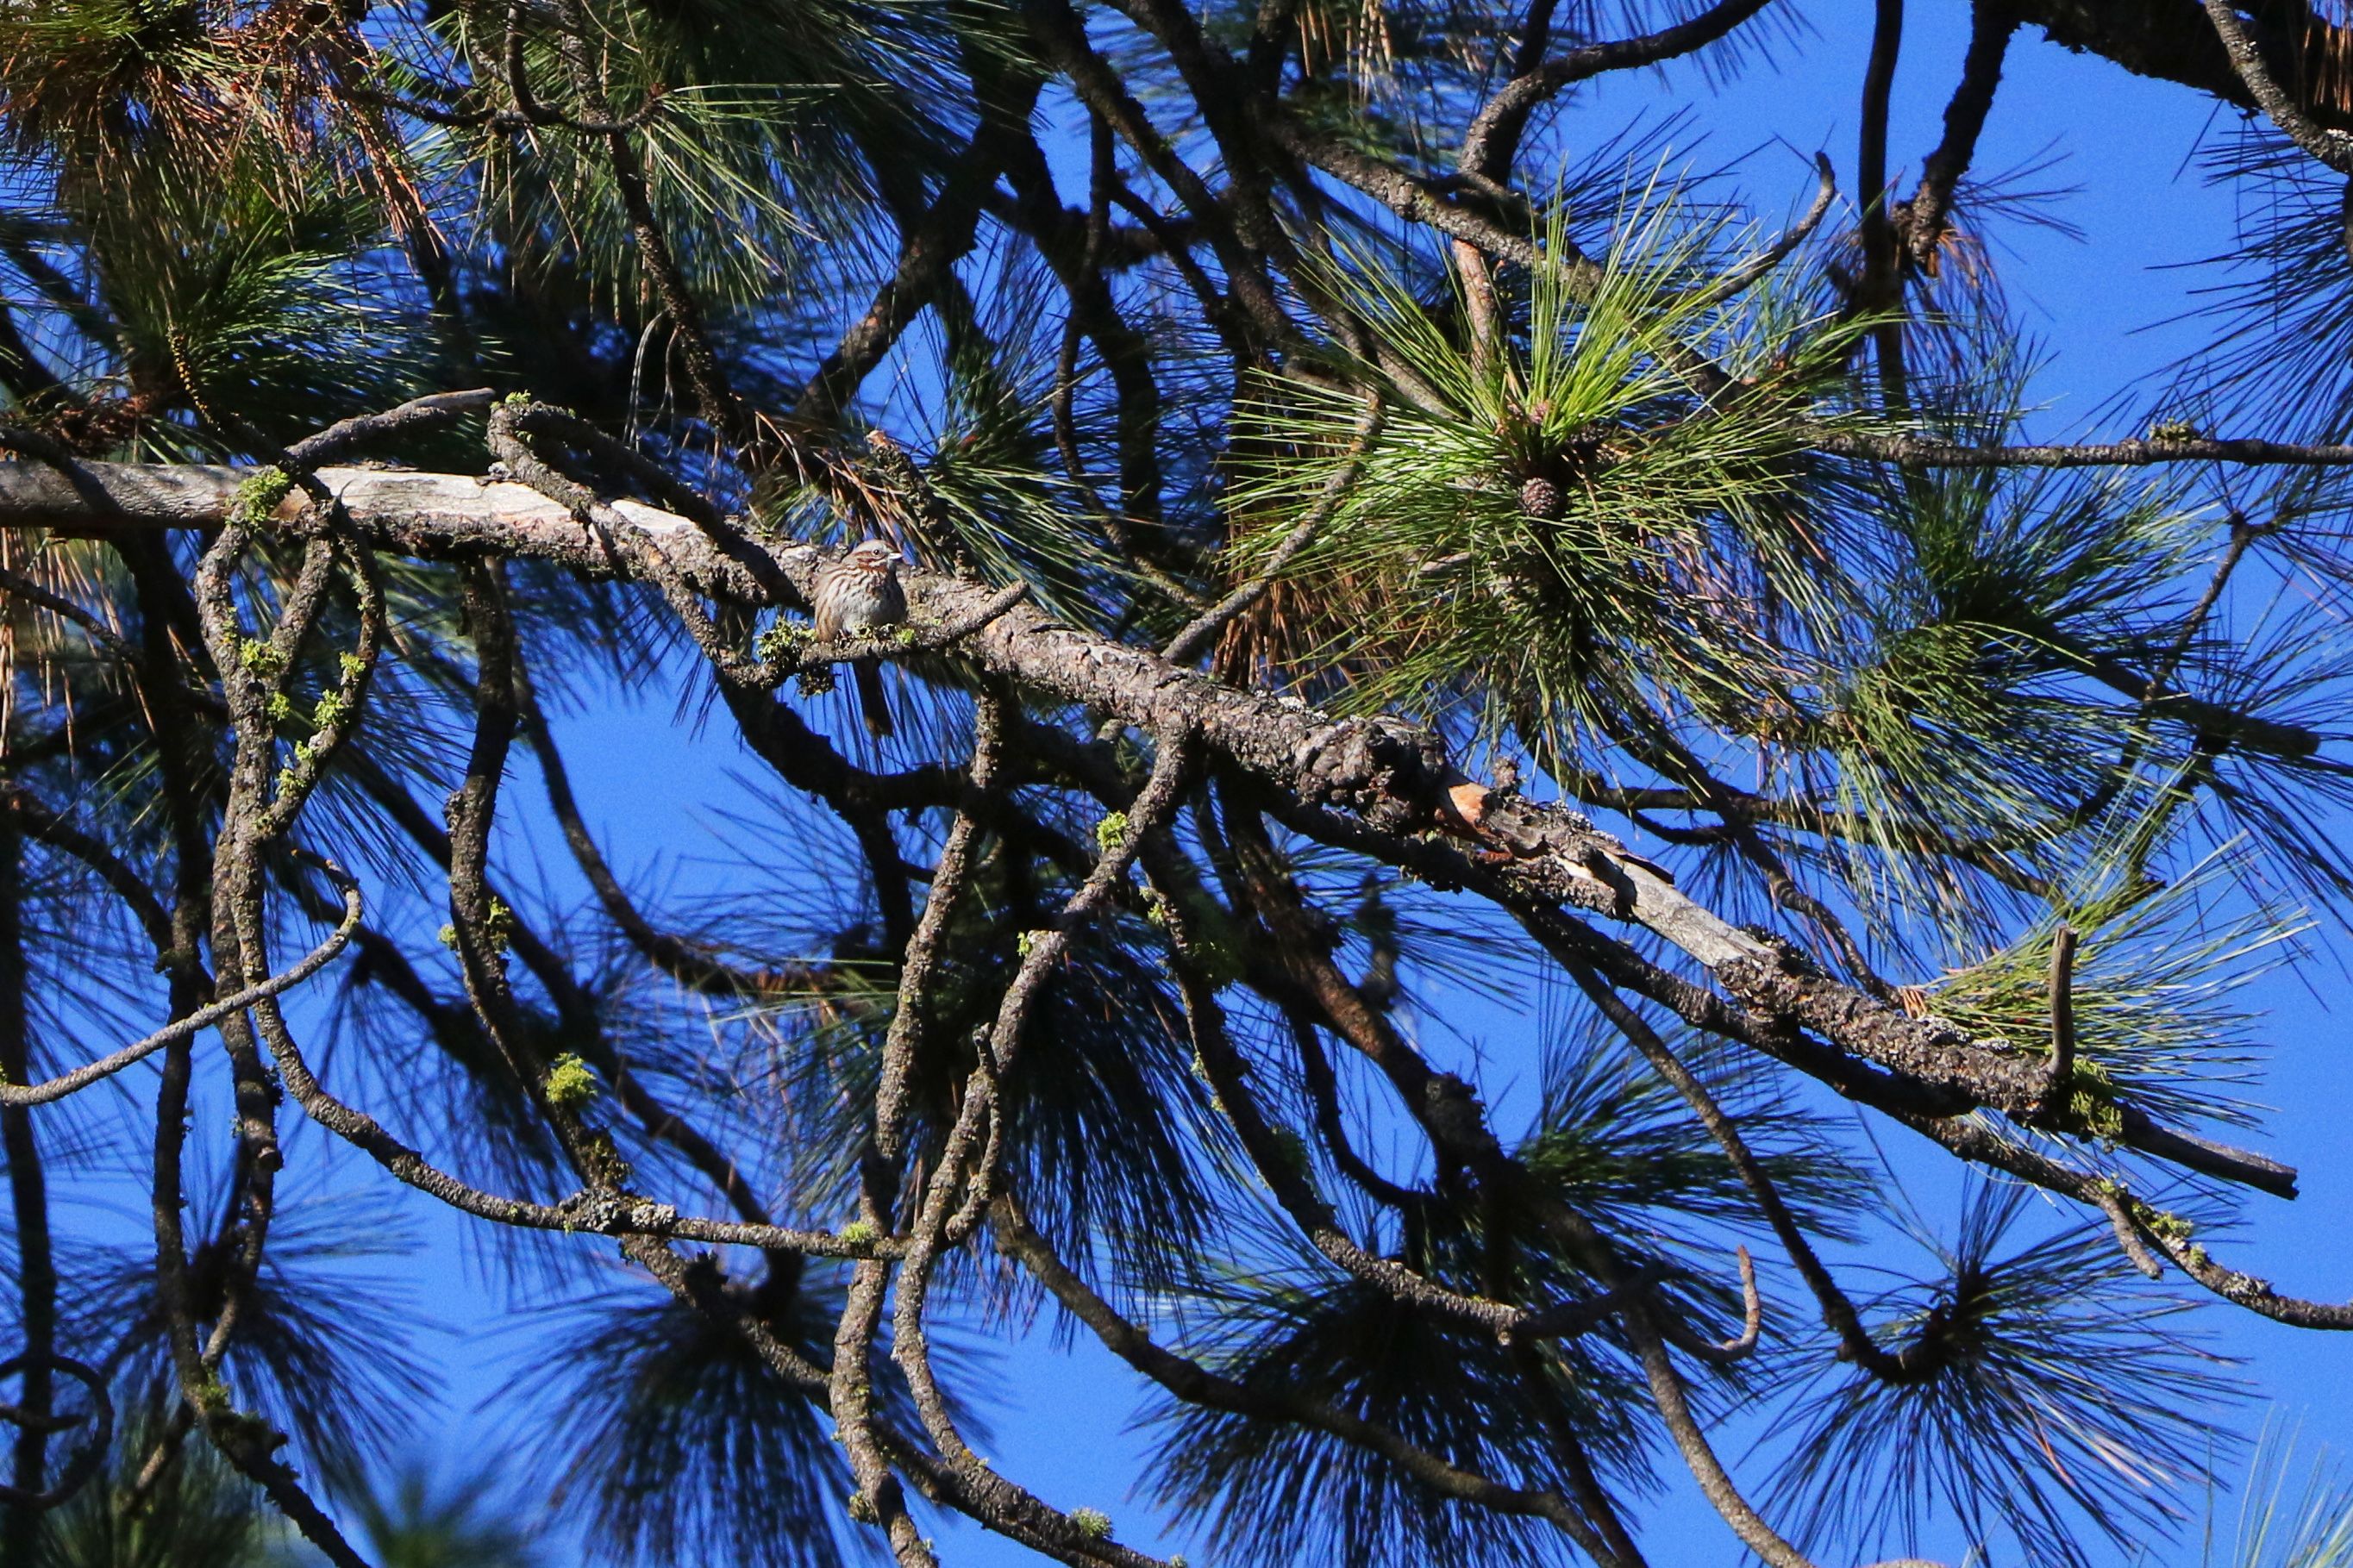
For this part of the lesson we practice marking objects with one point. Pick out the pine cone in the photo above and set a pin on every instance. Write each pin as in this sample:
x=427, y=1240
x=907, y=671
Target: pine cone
x=1540, y=497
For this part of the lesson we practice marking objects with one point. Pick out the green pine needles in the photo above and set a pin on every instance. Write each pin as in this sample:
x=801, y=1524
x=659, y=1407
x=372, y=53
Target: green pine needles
x=1529, y=825
x=1559, y=532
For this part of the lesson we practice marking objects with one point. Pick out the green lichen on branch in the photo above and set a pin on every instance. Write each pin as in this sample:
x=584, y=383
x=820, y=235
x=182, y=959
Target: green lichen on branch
x=602, y=1158
x=258, y=495
x=2152, y=1013
x=2088, y=1106
x=570, y=1085
x=1111, y=833
x=782, y=644
x=211, y=1396
x=1221, y=963
x=858, y=1232
x=239, y=1429
x=1213, y=944
x=1092, y=1522
x=497, y=934
x=260, y=658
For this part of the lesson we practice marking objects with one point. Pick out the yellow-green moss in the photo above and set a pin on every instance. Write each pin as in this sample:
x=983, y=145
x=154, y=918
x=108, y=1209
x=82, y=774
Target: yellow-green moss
x=570, y=1084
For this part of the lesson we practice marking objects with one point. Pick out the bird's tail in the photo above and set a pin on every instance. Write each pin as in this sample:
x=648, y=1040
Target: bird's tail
x=870, y=700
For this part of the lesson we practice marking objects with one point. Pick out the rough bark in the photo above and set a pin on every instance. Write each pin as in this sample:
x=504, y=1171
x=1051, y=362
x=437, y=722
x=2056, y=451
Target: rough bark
x=1374, y=783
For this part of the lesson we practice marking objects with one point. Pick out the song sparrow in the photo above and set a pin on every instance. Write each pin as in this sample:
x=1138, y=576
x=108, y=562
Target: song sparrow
x=855, y=593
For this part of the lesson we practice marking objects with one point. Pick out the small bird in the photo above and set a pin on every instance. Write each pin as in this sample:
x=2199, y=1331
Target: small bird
x=859, y=593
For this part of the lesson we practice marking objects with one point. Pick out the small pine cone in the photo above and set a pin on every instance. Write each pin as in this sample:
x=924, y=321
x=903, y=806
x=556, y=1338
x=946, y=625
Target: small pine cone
x=1540, y=497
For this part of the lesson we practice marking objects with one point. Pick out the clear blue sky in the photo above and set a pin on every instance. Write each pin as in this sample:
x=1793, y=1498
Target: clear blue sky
x=656, y=792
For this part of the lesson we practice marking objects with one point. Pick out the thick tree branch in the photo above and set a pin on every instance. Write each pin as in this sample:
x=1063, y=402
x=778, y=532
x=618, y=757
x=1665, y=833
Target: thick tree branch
x=1378, y=776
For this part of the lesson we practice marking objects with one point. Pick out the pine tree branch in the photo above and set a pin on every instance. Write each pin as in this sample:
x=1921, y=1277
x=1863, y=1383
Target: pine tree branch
x=2248, y=451
x=1494, y=135
x=1992, y=23
x=1369, y=782
x=1189, y=1381
x=2332, y=147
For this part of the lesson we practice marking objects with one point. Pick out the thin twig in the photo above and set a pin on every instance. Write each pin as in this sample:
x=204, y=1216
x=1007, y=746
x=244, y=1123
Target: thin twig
x=1187, y=644
x=318, y=958
x=1759, y=267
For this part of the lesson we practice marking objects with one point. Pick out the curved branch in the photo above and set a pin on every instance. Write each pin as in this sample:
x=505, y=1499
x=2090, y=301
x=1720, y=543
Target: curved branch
x=1495, y=134
x=82, y=1077
x=1856, y=1343
x=1194, y=1384
x=1323, y=1090
x=46, y=827
x=2062, y=1014
x=950, y=875
x=1758, y=268
x=1922, y=220
x=64, y=608
x=674, y=956
x=424, y=413
x=1187, y=644
x=2151, y=1228
x=2333, y=148
x=86, y=1458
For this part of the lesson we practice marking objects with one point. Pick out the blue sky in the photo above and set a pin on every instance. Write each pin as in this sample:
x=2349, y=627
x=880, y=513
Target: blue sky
x=2106, y=308
x=657, y=792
